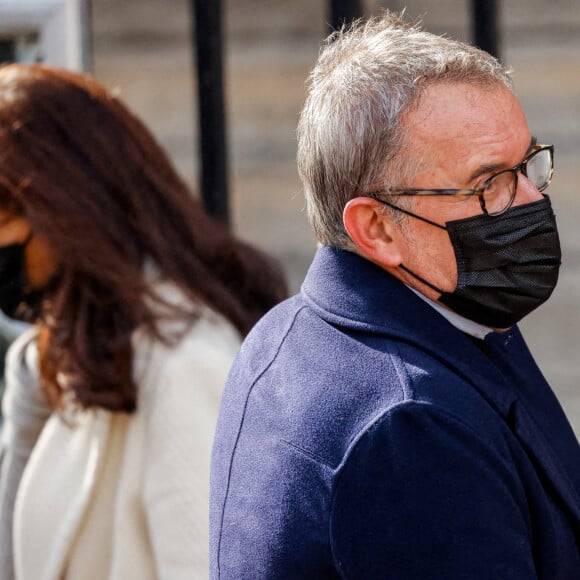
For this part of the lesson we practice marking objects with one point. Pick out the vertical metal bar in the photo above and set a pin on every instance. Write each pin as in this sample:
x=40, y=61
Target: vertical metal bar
x=343, y=12
x=87, y=39
x=207, y=33
x=7, y=50
x=484, y=21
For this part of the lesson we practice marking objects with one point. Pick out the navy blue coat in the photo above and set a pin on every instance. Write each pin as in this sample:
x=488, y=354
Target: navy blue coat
x=363, y=436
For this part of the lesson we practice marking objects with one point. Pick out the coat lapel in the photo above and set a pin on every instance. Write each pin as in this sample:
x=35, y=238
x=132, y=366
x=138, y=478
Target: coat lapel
x=347, y=290
x=67, y=458
x=548, y=442
x=552, y=472
x=521, y=395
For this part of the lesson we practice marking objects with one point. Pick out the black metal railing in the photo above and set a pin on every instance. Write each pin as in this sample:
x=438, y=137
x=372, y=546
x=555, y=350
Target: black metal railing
x=207, y=40
x=342, y=12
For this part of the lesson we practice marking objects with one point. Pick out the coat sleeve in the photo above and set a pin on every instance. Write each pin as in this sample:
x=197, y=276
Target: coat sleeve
x=182, y=411
x=423, y=496
x=25, y=412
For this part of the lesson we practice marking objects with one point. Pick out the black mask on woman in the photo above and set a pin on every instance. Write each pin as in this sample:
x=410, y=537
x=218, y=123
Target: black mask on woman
x=507, y=265
x=12, y=277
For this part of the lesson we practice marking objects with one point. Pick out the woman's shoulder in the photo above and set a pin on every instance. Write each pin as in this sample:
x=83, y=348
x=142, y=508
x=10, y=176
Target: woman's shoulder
x=21, y=375
x=196, y=355
x=207, y=327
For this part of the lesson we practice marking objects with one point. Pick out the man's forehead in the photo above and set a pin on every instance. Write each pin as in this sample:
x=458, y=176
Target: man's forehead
x=454, y=107
x=466, y=127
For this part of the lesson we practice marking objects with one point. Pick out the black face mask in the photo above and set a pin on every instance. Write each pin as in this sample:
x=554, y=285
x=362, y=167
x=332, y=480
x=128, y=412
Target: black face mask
x=507, y=265
x=13, y=278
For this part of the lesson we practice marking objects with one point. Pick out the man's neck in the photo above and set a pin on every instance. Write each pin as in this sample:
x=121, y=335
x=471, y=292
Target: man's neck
x=460, y=322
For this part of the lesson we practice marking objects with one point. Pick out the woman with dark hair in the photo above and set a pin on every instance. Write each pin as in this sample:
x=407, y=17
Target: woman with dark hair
x=139, y=302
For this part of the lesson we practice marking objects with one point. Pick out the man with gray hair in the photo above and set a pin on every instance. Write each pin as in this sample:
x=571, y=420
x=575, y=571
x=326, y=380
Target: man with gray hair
x=389, y=421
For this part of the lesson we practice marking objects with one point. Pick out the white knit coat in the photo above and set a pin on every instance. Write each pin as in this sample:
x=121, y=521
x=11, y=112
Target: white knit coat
x=160, y=504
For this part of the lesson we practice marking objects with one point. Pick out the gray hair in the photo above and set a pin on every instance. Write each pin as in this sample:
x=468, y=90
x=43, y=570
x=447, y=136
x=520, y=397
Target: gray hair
x=351, y=132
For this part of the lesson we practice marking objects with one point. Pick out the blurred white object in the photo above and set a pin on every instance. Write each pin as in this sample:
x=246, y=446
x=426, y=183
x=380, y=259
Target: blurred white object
x=10, y=328
x=51, y=31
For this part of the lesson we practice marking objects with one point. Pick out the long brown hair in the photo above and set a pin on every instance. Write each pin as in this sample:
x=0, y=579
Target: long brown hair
x=91, y=179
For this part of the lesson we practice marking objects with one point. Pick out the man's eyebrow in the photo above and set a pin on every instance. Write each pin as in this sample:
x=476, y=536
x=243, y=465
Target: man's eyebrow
x=485, y=169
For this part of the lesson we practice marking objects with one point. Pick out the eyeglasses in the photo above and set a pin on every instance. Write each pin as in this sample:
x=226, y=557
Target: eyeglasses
x=497, y=193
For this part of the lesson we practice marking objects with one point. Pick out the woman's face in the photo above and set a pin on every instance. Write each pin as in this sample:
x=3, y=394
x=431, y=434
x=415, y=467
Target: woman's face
x=40, y=264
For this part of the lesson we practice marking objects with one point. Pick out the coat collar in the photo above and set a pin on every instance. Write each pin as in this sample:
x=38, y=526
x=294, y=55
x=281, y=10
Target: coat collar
x=68, y=459
x=351, y=292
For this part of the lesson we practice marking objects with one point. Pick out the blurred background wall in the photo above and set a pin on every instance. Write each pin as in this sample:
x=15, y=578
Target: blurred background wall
x=143, y=49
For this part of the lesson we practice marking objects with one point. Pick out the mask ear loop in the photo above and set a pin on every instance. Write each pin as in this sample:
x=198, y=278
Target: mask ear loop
x=416, y=276
x=428, y=221
x=24, y=245
x=28, y=238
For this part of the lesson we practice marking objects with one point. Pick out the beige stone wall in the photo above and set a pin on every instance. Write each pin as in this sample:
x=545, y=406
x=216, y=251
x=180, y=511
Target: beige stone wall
x=143, y=48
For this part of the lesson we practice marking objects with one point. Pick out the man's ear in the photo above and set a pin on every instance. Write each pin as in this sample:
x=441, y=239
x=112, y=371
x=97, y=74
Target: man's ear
x=372, y=230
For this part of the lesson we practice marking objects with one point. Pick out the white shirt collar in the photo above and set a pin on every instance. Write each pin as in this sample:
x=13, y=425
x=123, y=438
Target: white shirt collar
x=464, y=324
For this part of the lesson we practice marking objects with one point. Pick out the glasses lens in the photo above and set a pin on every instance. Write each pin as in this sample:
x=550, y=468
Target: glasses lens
x=499, y=192
x=538, y=168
